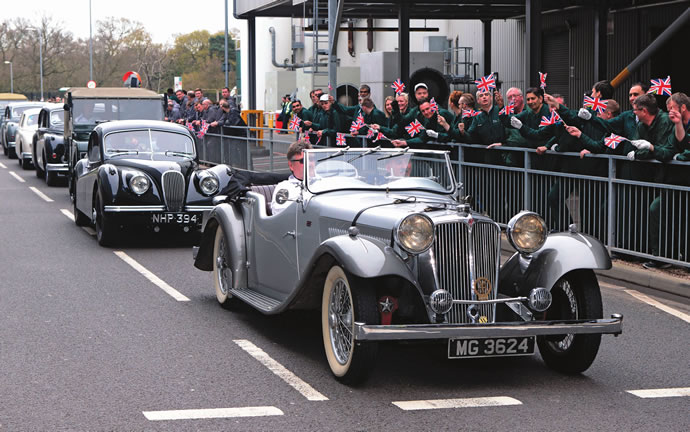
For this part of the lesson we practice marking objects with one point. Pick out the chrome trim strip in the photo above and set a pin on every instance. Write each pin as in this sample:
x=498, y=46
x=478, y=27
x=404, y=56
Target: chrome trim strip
x=494, y=301
x=363, y=332
x=199, y=208
x=10, y=144
x=57, y=167
x=131, y=209
x=27, y=155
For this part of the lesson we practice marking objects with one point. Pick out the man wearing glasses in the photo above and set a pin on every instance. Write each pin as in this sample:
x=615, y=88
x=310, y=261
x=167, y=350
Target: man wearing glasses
x=295, y=157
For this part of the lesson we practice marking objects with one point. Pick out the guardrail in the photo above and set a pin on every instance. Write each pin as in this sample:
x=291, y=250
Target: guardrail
x=646, y=220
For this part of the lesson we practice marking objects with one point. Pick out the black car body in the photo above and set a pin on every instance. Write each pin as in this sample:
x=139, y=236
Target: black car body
x=8, y=130
x=143, y=173
x=87, y=107
x=48, y=145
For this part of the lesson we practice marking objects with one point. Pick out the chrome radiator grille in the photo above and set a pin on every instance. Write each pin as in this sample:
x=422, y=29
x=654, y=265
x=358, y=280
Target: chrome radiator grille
x=173, y=190
x=464, y=253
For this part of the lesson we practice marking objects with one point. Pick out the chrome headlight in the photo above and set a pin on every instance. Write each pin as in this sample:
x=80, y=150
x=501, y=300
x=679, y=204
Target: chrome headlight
x=415, y=233
x=527, y=232
x=208, y=182
x=139, y=183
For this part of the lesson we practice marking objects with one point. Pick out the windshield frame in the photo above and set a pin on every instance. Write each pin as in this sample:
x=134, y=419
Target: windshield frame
x=109, y=154
x=439, y=155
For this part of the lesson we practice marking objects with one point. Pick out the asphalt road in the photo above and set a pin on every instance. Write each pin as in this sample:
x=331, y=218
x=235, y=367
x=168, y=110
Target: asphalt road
x=89, y=343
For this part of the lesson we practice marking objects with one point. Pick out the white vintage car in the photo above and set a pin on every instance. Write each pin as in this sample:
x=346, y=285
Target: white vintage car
x=28, y=124
x=380, y=241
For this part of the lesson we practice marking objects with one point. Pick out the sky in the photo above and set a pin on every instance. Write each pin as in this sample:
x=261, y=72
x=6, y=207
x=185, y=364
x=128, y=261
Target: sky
x=161, y=18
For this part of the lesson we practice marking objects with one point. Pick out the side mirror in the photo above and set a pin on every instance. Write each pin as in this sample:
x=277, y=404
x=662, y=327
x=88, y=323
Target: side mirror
x=219, y=199
x=66, y=107
x=282, y=196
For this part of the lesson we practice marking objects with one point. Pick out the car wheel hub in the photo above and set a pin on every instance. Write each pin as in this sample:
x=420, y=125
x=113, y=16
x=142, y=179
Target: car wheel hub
x=340, y=321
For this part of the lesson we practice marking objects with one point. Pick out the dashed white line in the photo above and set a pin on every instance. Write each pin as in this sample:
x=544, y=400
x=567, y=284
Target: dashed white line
x=41, y=195
x=650, y=301
x=290, y=378
x=457, y=403
x=661, y=393
x=90, y=231
x=19, y=179
x=67, y=213
x=212, y=413
x=150, y=276
x=2, y=165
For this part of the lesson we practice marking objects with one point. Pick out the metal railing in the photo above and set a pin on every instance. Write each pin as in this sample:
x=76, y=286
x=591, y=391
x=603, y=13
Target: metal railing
x=638, y=218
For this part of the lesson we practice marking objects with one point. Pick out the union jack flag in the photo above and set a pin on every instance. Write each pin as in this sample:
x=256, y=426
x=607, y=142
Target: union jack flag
x=203, y=130
x=339, y=139
x=470, y=113
x=294, y=123
x=371, y=133
x=542, y=80
x=433, y=104
x=508, y=109
x=554, y=118
x=414, y=128
x=596, y=104
x=381, y=136
x=360, y=119
x=190, y=126
x=354, y=127
x=613, y=140
x=398, y=86
x=486, y=83
x=661, y=86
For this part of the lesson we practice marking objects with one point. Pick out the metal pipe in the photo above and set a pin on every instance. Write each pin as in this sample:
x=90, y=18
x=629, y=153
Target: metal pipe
x=91, y=46
x=651, y=49
x=226, y=68
x=287, y=65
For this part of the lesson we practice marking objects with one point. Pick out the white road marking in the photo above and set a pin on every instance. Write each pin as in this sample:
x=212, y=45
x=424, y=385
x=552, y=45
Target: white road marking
x=290, y=378
x=650, y=301
x=67, y=213
x=212, y=413
x=457, y=403
x=90, y=231
x=2, y=165
x=150, y=276
x=43, y=196
x=661, y=393
x=19, y=179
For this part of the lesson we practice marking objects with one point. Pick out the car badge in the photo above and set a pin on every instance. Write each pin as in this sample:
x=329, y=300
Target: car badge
x=482, y=287
x=470, y=220
x=387, y=305
x=483, y=319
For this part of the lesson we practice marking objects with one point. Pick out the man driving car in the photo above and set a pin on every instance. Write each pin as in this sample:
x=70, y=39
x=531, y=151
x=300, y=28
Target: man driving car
x=295, y=157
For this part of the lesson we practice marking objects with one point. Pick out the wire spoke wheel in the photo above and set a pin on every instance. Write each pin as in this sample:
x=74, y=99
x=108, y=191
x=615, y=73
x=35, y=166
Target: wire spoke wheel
x=576, y=296
x=222, y=269
x=342, y=305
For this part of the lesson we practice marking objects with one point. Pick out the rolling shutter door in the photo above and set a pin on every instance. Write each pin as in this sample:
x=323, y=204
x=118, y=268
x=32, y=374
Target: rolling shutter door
x=556, y=63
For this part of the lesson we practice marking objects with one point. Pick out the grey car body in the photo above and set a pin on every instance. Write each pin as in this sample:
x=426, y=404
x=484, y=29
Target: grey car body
x=8, y=130
x=351, y=231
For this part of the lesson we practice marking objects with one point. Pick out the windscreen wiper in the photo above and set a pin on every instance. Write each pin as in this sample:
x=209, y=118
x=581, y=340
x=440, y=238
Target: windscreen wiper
x=122, y=151
x=370, y=151
x=336, y=154
x=400, y=153
x=181, y=154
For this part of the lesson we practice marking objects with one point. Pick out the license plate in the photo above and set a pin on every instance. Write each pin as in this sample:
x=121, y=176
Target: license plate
x=176, y=218
x=490, y=347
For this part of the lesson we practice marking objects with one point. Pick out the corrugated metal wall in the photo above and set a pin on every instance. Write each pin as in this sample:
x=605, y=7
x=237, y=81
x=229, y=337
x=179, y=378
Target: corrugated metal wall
x=508, y=52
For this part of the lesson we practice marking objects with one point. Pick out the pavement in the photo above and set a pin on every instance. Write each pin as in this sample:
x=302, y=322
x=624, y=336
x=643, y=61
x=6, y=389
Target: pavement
x=671, y=283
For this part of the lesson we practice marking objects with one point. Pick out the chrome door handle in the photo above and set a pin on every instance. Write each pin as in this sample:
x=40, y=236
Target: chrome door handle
x=290, y=233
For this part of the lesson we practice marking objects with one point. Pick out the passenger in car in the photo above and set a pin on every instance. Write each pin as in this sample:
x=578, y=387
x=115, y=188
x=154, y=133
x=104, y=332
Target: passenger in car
x=295, y=157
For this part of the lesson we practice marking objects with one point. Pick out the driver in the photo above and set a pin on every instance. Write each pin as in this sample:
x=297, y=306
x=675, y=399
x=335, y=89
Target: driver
x=86, y=116
x=295, y=157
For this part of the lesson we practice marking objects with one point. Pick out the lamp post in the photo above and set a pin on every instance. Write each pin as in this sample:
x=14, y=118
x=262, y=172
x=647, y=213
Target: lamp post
x=11, y=76
x=90, y=46
x=40, y=54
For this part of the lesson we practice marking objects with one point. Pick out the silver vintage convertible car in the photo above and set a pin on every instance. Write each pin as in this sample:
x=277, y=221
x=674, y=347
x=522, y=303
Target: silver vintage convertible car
x=380, y=241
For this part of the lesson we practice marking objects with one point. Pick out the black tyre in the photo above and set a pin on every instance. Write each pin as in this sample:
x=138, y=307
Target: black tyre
x=347, y=300
x=222, y=270
x=4, y=149
x=576, y=295
x=12, y=153
x=40, y=169
x=105, y=229
x=79, y=218
x=51, y=178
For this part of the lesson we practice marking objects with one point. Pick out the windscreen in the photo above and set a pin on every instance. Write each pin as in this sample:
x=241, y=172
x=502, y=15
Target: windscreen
x=17, y=111
x=57, y=119
x=94, y=111
x=148, y=143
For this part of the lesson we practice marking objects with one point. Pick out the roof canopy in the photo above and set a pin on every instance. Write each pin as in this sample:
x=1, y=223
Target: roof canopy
x=113, y=92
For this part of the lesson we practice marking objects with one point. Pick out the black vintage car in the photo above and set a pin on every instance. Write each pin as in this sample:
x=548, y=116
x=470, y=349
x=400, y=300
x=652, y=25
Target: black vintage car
x=48, y=145
x=143, y=173
x=8, y=130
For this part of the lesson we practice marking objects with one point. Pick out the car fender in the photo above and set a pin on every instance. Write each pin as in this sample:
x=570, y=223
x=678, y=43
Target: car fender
x=108, y=181
x=229, y=217
x=561, y=254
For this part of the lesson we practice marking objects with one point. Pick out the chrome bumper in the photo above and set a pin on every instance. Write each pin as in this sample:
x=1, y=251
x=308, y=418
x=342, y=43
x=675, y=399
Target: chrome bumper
x=27, y=155
x=57, y=167
x=10, y=144
x=365, y=332
x=152, y=208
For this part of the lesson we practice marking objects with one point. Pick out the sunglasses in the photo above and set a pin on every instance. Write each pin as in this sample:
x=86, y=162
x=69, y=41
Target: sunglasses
x=297, y=160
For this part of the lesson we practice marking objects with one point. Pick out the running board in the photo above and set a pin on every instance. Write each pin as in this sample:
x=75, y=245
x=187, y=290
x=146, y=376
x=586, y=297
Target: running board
x=260, y=301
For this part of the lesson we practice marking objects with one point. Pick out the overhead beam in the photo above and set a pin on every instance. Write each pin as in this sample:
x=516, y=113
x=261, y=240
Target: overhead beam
x=486, y=30
x=532, y=41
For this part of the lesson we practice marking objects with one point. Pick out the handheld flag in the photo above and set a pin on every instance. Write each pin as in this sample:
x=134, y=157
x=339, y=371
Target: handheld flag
x=486, y=83
x=434, y=105
x=414, y=128
x=370, y=133
x=470, y=113
x=508, y=109
x=381, y=136
x=398, y=86
x=542, y=80
x=339, y=139
x=613, y=140
x=294, y=123
x=596, y=104
x=661, y=86
x=203, y=130
x=354, y=127
x=360, y=119
x=554, y=118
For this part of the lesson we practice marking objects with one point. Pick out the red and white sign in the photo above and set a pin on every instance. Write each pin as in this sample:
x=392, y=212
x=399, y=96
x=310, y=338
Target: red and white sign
x=91, y=84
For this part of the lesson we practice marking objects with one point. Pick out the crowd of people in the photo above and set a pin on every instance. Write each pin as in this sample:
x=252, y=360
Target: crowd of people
x=193, y=109
x=533, y=119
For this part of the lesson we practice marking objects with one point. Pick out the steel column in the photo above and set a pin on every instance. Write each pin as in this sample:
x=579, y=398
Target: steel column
x=251, y=67
x=486, y=30
x=600, y=18
x=404, y=41
x=533, y=41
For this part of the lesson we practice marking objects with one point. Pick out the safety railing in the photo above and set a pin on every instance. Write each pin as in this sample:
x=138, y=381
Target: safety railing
x=633, y=217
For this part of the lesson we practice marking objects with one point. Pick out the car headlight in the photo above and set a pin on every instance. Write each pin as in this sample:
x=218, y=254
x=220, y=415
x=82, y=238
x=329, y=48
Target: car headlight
x=139, y=184
x=415, y=233
x=527, y=232
x=208, y=182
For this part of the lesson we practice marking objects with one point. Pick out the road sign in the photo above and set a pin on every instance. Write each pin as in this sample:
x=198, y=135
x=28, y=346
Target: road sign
x=91, y=84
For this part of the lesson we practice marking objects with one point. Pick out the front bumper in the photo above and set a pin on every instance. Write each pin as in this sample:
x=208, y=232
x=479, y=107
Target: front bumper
x=27, y=156
x=152, y=208
x=11, y=144
x=365, y=332
x=57, y=167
